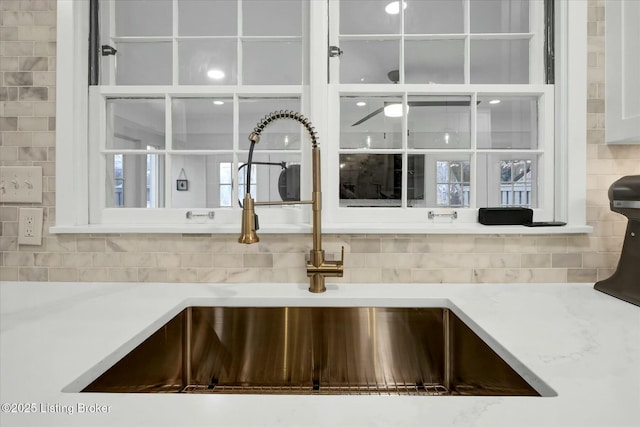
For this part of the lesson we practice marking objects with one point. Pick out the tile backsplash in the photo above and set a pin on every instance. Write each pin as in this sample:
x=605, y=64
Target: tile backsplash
x=27, y=137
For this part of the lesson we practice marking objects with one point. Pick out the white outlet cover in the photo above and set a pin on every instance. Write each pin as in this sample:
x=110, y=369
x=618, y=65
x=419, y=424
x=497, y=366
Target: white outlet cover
x=30, y=226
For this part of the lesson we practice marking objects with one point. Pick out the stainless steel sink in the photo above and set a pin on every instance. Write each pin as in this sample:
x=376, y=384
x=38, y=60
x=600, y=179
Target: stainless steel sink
x=314, y=350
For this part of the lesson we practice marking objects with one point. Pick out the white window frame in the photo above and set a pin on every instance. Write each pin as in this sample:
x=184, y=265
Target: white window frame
x=155, y=219
x=417, y=217
x=73, y=170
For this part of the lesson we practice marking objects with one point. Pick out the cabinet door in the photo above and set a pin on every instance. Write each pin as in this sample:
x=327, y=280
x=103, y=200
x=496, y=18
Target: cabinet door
x=622, y=52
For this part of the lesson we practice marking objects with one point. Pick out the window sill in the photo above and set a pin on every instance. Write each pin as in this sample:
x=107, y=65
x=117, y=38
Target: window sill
x=174, y=229
x=452, y=228
x=442, y=228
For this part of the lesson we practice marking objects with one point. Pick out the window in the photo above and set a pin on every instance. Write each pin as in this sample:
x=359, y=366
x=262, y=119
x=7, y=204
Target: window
x=440, y=95
x=181, y=91
x=426, y=108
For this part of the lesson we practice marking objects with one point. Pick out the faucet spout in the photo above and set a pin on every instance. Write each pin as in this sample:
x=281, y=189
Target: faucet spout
x=318, y=268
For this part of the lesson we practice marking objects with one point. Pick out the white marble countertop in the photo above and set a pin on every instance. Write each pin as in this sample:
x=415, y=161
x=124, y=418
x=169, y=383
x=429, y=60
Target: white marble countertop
x=583, y=344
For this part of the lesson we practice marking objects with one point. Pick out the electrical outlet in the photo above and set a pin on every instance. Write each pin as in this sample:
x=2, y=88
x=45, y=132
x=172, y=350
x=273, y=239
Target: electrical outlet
x=21, y=184
x=30, y=226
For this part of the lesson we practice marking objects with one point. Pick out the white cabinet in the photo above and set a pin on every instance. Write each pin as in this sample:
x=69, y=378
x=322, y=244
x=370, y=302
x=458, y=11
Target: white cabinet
x=622, y=71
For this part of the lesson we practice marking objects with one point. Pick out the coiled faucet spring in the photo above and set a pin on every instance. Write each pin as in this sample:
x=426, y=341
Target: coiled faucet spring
x=284, y=114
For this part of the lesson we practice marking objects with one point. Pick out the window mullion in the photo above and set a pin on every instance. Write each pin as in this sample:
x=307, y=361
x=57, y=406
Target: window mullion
x=235, y=164
x=405, y=141
x=401, y=69
x=467, y=41
x=168, y=158
x=536, y=44
x=112, y=32
x=474, y=121
x=239, y=55
x=334, y=40
x=174, y=46
x=405, y=119
x=97, y=170
x=473, y=181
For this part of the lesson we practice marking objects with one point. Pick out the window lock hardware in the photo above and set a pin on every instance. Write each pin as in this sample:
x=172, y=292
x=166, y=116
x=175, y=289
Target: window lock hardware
x=335, y=51
x=210, y=215
x=108, y=50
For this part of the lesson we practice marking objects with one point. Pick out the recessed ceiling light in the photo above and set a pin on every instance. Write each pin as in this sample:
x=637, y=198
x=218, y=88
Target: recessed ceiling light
x=393, y=8
x=361, y=104
x=218, y=102
x=215, y=74
x=494, y=101
x=394, y=110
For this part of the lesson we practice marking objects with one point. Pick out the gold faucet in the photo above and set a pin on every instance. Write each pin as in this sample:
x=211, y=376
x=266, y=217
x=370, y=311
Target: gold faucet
x=317, y=267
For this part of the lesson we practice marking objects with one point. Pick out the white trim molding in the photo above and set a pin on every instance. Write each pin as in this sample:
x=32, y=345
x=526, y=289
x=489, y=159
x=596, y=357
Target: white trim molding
x=72, y=139
x=72, y=203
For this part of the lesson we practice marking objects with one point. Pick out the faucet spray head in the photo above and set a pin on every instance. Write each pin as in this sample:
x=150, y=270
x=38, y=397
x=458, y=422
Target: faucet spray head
x=249, y=222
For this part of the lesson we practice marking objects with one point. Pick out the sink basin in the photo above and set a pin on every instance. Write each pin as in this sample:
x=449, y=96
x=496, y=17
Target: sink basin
x=314, y=350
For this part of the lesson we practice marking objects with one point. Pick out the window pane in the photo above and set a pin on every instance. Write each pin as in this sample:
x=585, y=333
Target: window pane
x=272, y=62
x=203, y=174
x=506, y=122
x=499, y=61
x=207, y=62
x=370, y=126
x=369, y=61
x=282, y=134
x=377, y=21
x=135, y=181
x=272, y=17
x=207, y=18
x=118, y=181
x=511, y=180
x=439, y=122
x=434, y=17
x=436, y=61
x=225, y=173
x=499, y=16
x=370, y=180
x=132, y=17
x=442, y=172
x=143, y=63
x=275, y=178
x=135, y=124
x=202, y=124
x=226, y=194
x=439, y=180
x=515, y=182
x=453, y=185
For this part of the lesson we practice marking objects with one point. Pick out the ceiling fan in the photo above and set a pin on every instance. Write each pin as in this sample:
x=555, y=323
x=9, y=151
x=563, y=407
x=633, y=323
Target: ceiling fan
x=394, y=76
